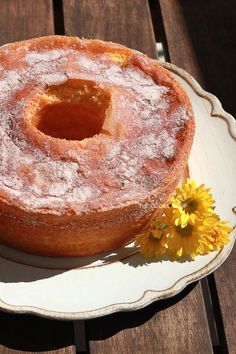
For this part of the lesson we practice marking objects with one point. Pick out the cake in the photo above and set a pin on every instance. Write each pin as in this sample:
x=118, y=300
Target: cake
x=94, y=138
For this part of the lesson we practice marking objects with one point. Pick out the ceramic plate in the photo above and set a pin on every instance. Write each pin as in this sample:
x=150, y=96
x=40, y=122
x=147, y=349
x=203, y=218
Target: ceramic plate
x=123, y=280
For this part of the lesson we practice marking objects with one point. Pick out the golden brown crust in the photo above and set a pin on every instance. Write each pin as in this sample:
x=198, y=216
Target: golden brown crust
x=76, y=230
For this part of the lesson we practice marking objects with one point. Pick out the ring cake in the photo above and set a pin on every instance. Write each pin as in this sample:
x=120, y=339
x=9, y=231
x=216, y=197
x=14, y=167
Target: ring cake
x=94, y=138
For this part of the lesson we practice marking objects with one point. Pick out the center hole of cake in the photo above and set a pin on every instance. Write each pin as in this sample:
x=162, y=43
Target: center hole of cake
x=74, y=110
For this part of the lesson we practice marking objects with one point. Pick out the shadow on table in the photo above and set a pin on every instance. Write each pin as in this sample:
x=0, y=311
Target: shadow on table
x=30, y=333
x=104, y=327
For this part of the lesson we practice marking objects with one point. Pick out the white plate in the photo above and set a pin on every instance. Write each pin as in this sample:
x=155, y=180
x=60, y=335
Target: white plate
x=123, y=280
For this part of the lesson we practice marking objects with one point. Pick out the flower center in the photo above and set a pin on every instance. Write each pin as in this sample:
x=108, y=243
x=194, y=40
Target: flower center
x=185, y=231
x=190, y=205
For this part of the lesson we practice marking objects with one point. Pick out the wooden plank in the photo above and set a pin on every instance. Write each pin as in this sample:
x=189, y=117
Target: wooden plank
x=176, y=329
x=182, y=328
x=225, y=278
x=125, y=22
x=180, y=48
x=23, y=19
x=203, y=43
x=201, y=39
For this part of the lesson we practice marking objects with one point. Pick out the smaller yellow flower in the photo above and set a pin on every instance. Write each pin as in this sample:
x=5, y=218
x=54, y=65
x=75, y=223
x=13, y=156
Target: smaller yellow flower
x=153, y=240
x=218, y=233
x=150, y=246
x=191, y=202
x=221, y=235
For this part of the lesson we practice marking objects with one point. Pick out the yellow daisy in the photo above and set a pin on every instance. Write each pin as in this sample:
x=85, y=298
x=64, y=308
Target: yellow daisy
x=188, y=228
x=150, y=246
x=191, y=202
x=153, y=240
x=218, y=231
x=189, y=241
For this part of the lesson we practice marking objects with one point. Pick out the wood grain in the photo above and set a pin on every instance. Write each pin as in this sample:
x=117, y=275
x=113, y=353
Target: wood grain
x=201, y=38
x=202, y=43
x=176, y=325
x=180, y=48
x=23, y=19
x=125, y=22
x=225, y=278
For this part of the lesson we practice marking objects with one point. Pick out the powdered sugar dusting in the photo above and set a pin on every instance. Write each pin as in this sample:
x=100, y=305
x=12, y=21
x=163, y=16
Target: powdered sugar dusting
x=46, y=56
x=53, y=79
x=153, y=146
x=10, y=82
x=110, y=171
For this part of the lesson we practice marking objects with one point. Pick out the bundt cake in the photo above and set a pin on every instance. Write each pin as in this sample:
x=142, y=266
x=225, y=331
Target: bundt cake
x=94, y=138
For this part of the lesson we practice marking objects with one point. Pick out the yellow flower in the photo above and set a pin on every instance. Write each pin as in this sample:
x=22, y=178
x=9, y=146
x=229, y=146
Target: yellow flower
x=150, y=246
x=218, y=233
x=188, y=241
x=188, y=228
x=153, y=240
x=191, y=202
x=206, y=235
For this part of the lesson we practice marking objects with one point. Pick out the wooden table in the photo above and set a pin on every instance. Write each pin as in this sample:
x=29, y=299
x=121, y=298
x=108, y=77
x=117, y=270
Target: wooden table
x=200, y=37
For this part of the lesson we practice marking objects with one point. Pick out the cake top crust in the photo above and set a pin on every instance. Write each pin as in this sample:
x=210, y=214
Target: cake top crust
x=145, y=119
